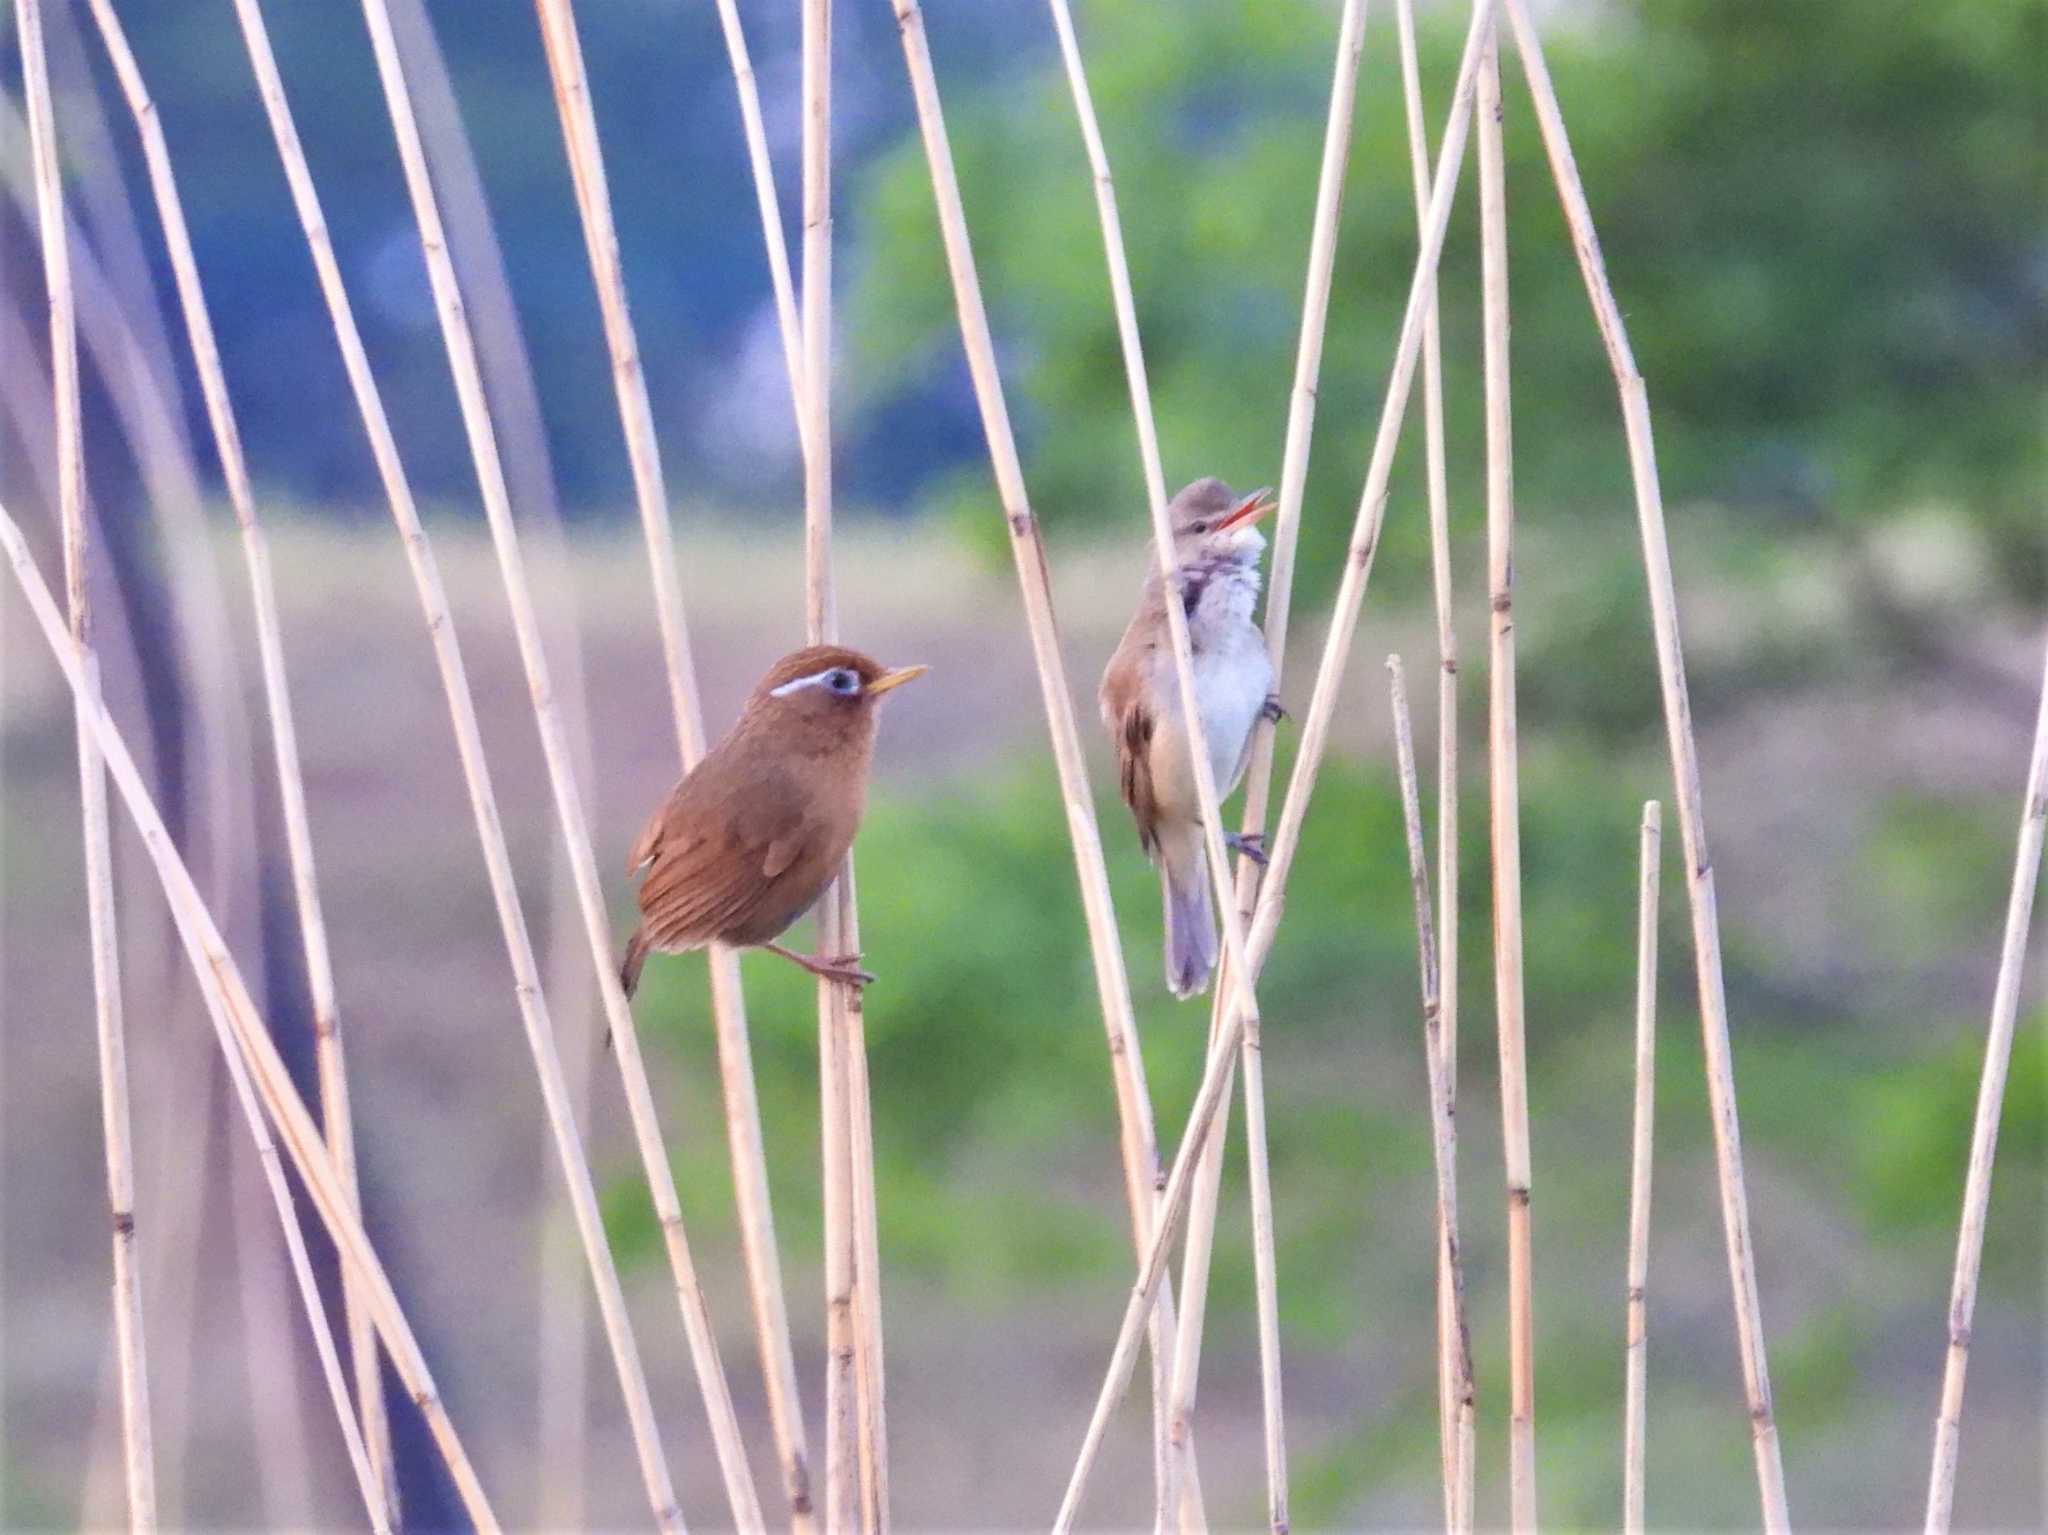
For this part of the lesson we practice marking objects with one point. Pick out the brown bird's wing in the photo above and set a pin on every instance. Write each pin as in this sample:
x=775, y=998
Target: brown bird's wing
x=1131, y=723
x=729, y=853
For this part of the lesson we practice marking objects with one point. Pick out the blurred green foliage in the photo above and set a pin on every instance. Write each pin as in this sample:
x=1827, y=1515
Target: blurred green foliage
x=1823, y=221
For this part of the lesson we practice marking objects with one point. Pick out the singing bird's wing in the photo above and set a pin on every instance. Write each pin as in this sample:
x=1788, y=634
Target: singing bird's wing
x=719, y=852
x=1128, y=716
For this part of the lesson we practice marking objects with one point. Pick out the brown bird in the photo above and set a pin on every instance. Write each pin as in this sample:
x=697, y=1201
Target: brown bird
x=1217, y=551
x=755, y=832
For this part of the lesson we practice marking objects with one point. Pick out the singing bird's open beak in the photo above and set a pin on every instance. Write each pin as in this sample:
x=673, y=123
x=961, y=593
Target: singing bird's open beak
x=1258, y=504
x=897, y=678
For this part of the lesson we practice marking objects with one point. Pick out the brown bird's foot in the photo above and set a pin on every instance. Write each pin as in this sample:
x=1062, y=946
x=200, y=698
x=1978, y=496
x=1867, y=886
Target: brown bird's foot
x=837, y=967
x=1272, y=709
x=1248, y=844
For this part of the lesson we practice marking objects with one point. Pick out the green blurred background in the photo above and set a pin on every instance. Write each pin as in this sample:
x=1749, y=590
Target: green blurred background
x=1824, y=222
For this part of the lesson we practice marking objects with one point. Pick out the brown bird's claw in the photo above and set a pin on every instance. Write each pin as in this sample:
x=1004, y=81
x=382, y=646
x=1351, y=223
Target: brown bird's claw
x=844, y=967
x=836, y=967
x=1272, y=709
x=1248, y=844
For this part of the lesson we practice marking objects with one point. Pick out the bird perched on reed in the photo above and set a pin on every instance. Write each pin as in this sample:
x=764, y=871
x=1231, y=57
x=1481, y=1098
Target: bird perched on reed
x=754, y=833
x=1216, y=548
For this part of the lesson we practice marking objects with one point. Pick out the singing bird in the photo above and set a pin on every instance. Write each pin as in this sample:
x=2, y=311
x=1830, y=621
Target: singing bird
x=754, y=833
x=1216, y=548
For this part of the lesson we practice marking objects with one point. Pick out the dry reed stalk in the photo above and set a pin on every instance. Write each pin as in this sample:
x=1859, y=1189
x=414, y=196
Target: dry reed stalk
x=2005, y=1002
x=856, y=1456
x=1134, y=1106
x=1459, y=1487
x=743, y=1115
x=1238, y=975
x=786, y=319
x=527, y=988
x=246, y=1043
x=1314, y=740
x=481, y=431
x=335, y=1115
x=1455, y=1351
x=1639, y=1173
x=1504, y=822
x=110, y=1032
x=1699, y=871
x=1259, y=774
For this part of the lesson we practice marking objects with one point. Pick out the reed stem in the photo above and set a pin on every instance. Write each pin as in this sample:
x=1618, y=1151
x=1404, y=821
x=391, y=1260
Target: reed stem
x=2005, y=1002
x=1458, y=1486
x=735, y=1060
x=1454, y=1343
x=856, y=1456
x=1504, y=776
x=110, y=1029
x=787, y=320
x=1637, y=1385
x=1685, y=772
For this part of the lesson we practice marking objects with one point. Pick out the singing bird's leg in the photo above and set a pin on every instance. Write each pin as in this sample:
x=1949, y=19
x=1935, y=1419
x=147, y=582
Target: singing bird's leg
x=837, y=967
x=1273, y=709
x=1249, y=844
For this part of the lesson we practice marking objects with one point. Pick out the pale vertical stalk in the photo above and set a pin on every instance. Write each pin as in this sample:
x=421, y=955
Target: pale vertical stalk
x=110, y=1032
x=777, y=244
x=856, y=1493
x=1134, y=1106
x=1237, y=975
x=743, y=1114
x=1685, y=772
x=1504, y=782
x=584, y=146
x=1637, y=1383
x=2005, y=1002
x=482, y=434
x=1454, y=1344
x=246, y=1043
x=1460, y=1484
x=335, y=1115
x=1259, y=774
x=1314, y=740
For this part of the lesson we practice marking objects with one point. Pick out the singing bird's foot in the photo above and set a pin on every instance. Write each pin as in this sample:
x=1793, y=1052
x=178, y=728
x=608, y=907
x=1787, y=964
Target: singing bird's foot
x=836, y=967
x=1272, y=709
x=1248, y=844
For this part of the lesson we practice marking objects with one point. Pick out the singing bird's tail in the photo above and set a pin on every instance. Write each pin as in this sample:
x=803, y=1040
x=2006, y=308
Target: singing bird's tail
x=1190, y=920
x=637, y=949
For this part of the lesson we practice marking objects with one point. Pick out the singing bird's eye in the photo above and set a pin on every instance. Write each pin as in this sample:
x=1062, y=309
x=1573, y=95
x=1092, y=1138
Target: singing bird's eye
x=843, y=682
x=1199, y=527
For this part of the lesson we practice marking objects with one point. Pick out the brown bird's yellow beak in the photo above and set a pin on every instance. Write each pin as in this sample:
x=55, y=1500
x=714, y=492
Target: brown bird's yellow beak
x=897, y=678
x=1259, y=503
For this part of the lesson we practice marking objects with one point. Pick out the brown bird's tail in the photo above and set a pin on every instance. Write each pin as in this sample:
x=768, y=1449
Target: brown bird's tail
x=1190, y=920
x=637, y=949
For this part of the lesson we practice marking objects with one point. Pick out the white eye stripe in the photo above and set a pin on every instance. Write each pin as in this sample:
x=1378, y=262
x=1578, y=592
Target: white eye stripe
x=815, y=680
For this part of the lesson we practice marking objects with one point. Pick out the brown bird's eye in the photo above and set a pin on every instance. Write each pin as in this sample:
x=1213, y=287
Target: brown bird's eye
x=843, y=683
